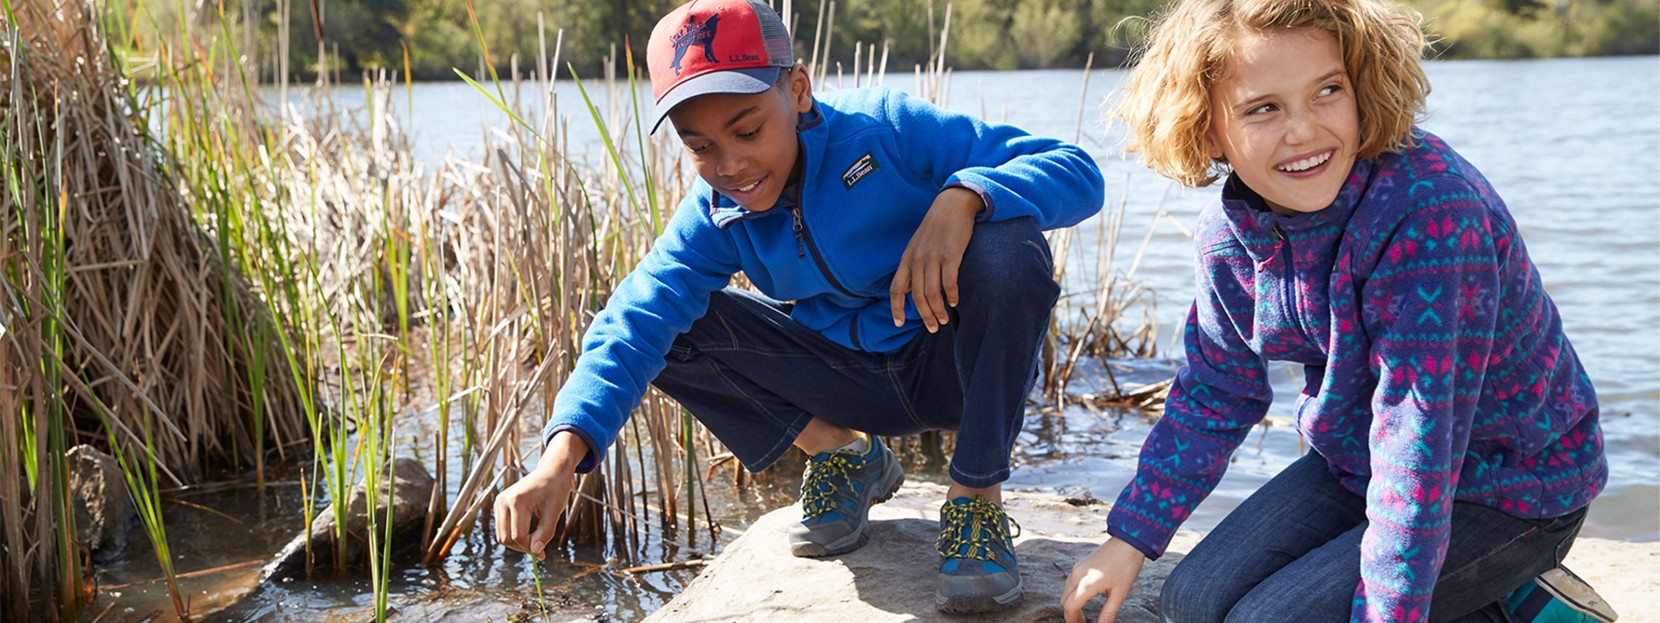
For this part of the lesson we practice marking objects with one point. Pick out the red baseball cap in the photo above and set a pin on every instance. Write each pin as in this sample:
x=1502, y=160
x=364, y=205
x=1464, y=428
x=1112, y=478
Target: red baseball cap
x=706, y=47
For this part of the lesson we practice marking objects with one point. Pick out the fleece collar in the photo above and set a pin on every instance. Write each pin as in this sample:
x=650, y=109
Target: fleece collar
x=724, y=211
x=1262, y=230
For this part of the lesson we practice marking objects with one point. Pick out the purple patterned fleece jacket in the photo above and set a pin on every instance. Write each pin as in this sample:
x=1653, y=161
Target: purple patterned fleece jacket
x=1436, y=367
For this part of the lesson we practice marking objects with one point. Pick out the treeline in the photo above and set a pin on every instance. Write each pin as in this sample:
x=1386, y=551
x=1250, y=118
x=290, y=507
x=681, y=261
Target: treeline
x=439, y=36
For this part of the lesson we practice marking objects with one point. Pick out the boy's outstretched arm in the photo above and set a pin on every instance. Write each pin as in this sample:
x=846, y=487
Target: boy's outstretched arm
x=622, y=352
x=527, y=512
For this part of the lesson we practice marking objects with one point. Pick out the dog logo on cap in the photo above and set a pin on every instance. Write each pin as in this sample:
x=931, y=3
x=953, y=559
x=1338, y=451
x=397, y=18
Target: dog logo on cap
x=695, y=33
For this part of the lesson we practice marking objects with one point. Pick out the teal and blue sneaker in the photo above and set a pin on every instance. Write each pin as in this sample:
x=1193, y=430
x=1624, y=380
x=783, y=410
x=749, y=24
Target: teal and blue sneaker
x=1559, y=596
x=836, y=495
x=978, y=571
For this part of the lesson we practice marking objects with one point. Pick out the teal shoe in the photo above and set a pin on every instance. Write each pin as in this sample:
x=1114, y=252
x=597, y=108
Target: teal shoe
x=1559, y=596
x=836, y=495
x=978, y=570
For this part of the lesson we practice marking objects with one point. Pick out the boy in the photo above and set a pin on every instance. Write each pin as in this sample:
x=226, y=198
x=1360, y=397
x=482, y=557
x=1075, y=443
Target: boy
x=909, y=240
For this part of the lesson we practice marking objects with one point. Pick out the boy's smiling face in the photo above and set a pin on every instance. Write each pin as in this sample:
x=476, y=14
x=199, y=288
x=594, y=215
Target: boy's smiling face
x=1284, y=116
x=745, y=146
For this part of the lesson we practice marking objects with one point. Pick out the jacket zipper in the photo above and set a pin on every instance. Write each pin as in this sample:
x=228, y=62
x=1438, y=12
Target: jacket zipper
x=1295, y=308
x=804, y=240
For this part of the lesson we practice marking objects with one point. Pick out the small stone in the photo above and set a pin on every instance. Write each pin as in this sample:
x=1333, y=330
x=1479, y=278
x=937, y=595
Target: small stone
x=103, y=509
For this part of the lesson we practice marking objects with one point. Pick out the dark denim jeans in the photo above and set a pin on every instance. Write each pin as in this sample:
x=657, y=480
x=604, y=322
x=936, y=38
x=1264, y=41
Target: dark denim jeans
x=754, y=377
x=1291, y=552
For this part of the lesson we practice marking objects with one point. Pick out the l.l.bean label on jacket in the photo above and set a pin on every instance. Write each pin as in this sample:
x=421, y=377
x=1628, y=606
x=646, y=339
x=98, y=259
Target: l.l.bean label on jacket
x=862, y=167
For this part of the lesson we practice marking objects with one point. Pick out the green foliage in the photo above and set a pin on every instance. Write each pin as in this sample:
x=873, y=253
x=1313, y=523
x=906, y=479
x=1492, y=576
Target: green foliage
x=1514, y=29
x=985, y=34
x=1042, y=34
x=367, y=33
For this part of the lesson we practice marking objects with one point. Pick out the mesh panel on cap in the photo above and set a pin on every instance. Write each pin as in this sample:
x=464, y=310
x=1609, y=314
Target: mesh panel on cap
x=774, y=35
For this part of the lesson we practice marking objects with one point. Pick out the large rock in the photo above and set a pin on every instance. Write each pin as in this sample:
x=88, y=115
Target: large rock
x=103, y=508
x=410, y=491
x=891, y=579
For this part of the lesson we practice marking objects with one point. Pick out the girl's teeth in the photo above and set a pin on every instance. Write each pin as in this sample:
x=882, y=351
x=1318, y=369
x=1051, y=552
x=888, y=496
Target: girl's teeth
x=1306, y=163
x=750, y=187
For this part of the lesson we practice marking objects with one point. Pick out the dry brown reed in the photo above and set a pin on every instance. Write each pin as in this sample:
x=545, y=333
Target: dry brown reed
x=115, y=300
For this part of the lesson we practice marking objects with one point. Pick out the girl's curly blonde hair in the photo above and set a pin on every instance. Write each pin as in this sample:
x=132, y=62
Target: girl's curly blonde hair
x=1166, y=100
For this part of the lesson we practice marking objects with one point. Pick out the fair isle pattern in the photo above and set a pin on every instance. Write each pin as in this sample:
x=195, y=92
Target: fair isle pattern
x=1436, y=367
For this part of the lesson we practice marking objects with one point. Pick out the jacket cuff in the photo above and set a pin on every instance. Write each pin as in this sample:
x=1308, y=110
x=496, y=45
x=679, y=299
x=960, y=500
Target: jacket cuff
x=1146, y=550
x=594, y=454
x=985, y=198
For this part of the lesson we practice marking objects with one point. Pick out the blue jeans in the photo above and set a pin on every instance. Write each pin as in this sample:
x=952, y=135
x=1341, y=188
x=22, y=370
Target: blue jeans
x=754, y=377
x=1292, y=552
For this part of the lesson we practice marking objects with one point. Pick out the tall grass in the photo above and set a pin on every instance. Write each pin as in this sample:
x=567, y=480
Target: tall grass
x=138, y=469
x=116, y=299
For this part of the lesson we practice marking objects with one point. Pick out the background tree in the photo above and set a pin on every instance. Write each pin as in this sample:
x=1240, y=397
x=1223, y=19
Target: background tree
x=985, y=34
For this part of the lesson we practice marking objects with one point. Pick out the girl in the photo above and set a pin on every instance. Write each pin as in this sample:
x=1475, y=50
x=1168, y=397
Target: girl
x=1454, y=433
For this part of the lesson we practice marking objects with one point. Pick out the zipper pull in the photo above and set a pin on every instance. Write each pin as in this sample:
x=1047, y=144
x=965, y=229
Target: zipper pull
x=1279, y=243
x=796, y=225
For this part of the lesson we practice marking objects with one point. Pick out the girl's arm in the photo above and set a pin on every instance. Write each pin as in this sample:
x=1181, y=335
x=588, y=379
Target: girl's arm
x=1429, y=306
x=1217, y=397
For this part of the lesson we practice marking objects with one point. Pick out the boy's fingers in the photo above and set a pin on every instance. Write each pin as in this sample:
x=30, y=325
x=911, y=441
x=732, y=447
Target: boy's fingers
x=502, y=517
x=896, y=293
x=545, y=523
x=923, y=298
x=948, y=277
x=520, y=527
x=510, y=519
x=937, y=288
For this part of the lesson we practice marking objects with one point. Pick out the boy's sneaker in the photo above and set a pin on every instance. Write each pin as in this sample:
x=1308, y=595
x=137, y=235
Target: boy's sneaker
x=978, y=571
x=1559, y=596
x=836, y=495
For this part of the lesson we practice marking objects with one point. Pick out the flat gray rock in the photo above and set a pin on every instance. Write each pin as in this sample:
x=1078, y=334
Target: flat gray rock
x=892, y=578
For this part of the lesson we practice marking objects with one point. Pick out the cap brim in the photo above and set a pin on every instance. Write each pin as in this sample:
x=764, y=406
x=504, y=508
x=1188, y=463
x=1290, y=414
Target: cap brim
x=728, y=82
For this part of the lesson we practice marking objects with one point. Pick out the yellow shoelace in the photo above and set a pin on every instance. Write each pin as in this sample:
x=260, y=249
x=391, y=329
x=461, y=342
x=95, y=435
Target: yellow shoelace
x=817, y=486
x=982, y=520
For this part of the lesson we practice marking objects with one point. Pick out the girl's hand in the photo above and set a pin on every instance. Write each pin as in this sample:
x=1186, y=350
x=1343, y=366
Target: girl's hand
x=1110, y=569
x=928, y=269
x=539, y=496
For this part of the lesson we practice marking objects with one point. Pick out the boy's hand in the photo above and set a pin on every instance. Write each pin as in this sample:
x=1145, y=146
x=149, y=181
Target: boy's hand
x=928, y=270
x=1111, y=569
x=539, y=496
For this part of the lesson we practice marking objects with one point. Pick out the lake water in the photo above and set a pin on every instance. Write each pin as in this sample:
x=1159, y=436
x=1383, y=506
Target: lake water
x=1573, y=145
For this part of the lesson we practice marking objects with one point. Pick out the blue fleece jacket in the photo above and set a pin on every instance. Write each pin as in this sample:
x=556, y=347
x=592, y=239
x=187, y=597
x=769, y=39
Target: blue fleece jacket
x=872, y=162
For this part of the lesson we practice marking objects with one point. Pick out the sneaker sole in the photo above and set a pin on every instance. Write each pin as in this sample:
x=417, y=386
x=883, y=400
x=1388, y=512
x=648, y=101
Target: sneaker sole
x=884, y=491
x=973, y=604
x=1576, y=593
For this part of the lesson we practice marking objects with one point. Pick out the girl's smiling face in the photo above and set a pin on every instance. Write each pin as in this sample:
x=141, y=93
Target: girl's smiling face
x=1283, y=116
